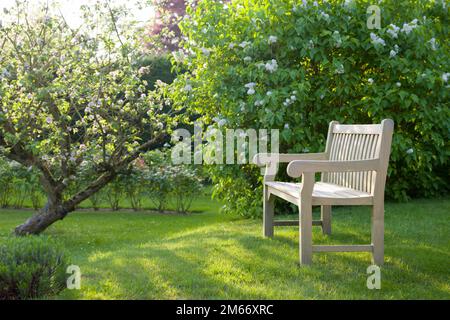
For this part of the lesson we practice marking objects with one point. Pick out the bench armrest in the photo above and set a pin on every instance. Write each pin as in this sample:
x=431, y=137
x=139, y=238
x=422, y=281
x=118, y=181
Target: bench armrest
x=263, y=159
x=296, y=168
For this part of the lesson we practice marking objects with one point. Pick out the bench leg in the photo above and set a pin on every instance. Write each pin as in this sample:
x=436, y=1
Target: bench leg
x=305, y=238
x=378, y=234
x=268, y=212
x=326, y=219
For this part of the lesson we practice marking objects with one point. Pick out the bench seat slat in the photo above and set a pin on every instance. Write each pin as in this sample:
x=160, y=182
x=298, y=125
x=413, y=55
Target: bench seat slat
x=323, y=193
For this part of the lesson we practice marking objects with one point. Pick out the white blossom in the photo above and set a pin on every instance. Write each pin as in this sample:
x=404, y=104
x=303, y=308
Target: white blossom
x=259, y=103
x=272, y=39
x=392, y=53
x=337, y=38
x=141, y=71
x=376, y=39
x=288, y=101
x=398, y=84
x=271, y=66
x=188, y=88
x=244, y=44
x=247, y=59
x=326, y=16
x=340, y=69
x=286, y=126
x=393, y=30
x=445, y=76
x=408, y=27
x=205, y=52
x=433, y=44
x=269, y=93
x=251, y=88
x=370, y=80
x=348, y=3
x=410, y=151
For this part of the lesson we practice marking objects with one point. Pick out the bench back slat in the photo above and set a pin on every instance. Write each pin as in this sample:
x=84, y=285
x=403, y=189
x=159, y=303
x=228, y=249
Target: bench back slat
x=359, y=142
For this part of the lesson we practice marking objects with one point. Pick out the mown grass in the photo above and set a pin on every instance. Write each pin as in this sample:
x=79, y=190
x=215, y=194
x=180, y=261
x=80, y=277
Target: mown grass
x=208, y=255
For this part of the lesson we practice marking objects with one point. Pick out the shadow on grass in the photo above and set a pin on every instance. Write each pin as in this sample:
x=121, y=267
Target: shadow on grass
x=212, y=256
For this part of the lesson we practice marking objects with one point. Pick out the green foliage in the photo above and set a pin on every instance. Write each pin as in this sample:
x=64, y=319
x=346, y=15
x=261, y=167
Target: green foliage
x=18, y=184
x=164, y=182
x=159, y=68
x=115, y=191
x=297, y=65
x=31, y=267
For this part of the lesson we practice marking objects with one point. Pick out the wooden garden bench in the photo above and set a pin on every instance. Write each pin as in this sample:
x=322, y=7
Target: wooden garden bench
x=353, y=172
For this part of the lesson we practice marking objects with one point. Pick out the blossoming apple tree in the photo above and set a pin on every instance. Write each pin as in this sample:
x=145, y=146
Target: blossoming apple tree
x=72, y=102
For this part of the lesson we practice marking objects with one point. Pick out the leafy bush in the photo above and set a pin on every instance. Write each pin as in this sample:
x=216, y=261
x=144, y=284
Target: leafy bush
x=115, y=191
x=164, y=182
x=6, y=179
x=186, y=187
x=159, y=68
x=96, y=199
x=136, y=185
x=297, y=65
x=19, y=184
x=31, y=267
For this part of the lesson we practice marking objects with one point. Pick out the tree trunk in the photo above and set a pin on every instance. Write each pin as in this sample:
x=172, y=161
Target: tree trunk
x=56, y=209
x=40, y=221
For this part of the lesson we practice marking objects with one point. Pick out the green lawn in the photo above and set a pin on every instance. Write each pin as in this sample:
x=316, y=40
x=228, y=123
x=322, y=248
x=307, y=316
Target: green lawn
x=208, y=255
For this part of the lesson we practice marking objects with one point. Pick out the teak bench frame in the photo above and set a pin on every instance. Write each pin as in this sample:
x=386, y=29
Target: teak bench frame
x=353, y=166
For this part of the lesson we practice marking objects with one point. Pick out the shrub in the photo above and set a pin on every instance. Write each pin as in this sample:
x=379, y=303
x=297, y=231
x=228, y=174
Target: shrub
x=6, y=179
x=159, y=67
x=136, y=186
x=35, y=190
x=31, y=267
x=19, y=184
x=164, y=182
x=310, y=63
x=158, y=180
x=115, y=191
x=186, y=187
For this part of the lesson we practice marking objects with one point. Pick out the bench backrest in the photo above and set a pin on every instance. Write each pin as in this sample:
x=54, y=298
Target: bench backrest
x=360, y=142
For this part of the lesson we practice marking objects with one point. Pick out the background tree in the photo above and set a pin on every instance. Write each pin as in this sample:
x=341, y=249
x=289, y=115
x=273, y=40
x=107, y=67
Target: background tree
x=73, y=103
x=165, y=27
